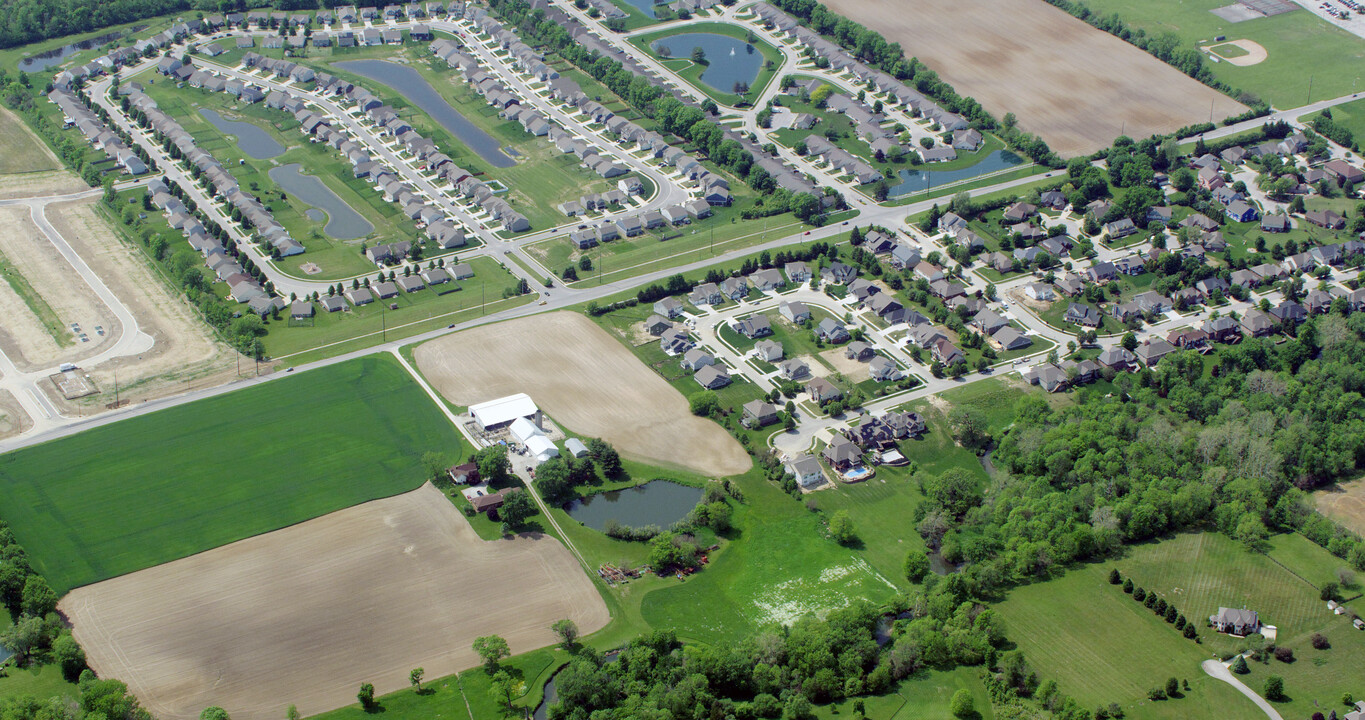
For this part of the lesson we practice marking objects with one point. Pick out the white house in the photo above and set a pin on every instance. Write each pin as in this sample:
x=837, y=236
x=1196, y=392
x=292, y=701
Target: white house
x=807, y=471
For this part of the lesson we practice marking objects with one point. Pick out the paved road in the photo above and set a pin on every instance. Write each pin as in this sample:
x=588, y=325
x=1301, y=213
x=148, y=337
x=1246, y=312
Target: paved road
x=1220, y=671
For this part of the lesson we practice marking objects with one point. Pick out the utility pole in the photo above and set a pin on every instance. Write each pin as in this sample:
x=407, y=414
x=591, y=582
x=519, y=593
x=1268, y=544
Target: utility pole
x=116, y=405
x=1310, y=91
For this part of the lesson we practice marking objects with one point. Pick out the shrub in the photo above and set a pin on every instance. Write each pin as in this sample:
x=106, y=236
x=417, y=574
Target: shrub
x=1190, y=632
x=1172, y=614
x=1114, y=577
x=1180, y=622
x=1284, y=654
x=1274, y=688
x=1139, y=594
x=1128, y=586
x=1239, y=666
x=1156, y=694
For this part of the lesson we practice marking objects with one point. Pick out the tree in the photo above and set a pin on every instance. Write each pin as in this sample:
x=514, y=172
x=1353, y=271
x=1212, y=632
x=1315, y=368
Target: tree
x=491, y=648
x=1172, y=687
x=954, y=491
x=68, y=655
x=1239, y=666
x=567, y=632
x=366, y=695
x=38, y=599
x=1114, y=577
x=841, y=527
x=1329, y=591
x=704, y=404
x=292, y=713
x=213, y=712
x=969, y=428
x=434, y=464
x=516, y=508
x=494, y=467
x=916, y=565
x=961, y=705
x=505, y=688
x=23, y=637
x=605, y=456
x=1129, y=341
x=415, y=678
x=698, y=55
x=1274, y=688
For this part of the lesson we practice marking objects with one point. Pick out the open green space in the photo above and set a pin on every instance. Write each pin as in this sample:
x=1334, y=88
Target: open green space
x=20, y=150
x=158, y=487
x=1298, y=44
x=692, y=72
x=1350, y=115
x=1229, y=50
x=1102, y=647
x=336, y=258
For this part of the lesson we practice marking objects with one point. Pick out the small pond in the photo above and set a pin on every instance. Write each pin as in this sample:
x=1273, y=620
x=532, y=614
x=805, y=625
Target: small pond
x=658, y=502
x=343, y=222
x=647, y=7
x=250, y=138
x=419, y=92
x=56, y=56
x=925, y=177
x=552, y=691
x=729, y=60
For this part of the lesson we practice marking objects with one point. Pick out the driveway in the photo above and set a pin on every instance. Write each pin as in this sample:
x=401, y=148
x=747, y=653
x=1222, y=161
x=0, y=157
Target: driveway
x=1220, y=671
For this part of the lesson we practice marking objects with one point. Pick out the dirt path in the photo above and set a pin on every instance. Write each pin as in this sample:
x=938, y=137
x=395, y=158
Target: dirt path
x=1075, y=86
x=587, y=381
x=185, y=353
x=306, y=614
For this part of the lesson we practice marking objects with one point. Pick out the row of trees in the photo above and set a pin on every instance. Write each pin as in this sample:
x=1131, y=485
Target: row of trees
x=38, y=634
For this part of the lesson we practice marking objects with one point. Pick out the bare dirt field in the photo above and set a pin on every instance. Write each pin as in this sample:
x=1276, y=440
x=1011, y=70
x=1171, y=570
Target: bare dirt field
x=1345, y=503
x=55, y=290
x=855, y=370
x=1075, y=86
x=13, y=419
x=587, y=381
x=185, y=353
x=306, y=614
x=20, y=150
x=38, y=184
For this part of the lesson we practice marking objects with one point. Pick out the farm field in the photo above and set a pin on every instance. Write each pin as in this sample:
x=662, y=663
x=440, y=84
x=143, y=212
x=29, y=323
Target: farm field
x=1345, y=503
x=100, y=504
x=372, y=592
x=584, y=379
x=1078, y=90
x=20, y=150
x=1298, y=44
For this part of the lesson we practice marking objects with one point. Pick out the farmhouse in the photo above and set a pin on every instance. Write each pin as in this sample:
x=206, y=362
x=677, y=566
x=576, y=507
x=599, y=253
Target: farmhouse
x=1235, y=621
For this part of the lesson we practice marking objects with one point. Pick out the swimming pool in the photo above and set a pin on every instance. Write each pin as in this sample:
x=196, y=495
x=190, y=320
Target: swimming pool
x=858, y=473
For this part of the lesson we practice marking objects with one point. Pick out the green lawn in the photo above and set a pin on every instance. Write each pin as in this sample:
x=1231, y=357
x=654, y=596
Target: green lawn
x=1101, y=646
x=1350, y=115
x=1299, y=45
x=1205, y=571
x=39, y=681
x=922, y=696
x=150, y=489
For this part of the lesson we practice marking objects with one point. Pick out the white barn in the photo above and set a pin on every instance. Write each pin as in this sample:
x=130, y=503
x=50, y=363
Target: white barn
x=498, y=413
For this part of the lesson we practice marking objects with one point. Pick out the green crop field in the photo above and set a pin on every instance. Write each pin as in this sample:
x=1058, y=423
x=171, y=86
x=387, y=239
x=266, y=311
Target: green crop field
x=151, y=489
x=1298, y=44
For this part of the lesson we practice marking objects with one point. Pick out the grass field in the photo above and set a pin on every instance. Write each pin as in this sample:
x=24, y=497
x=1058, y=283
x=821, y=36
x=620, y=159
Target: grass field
x=1101, y=646
x=20, y=150
x=103, y=503
x=1299, y=44
x=1350, y=115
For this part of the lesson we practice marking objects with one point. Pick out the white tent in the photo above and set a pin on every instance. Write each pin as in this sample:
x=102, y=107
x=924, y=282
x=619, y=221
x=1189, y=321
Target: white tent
x=541, y=448
x=495, y=413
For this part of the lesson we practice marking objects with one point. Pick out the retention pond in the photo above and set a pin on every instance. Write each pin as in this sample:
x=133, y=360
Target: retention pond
x=419, y=92
x=343, y=222
x=251, y=139
x=658, y=502
x=926, y=177
x=729, y=60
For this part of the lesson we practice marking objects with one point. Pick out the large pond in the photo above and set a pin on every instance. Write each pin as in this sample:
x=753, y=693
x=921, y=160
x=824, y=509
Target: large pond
x=419, y=92
x=925, y=176
x=728, y=60
x=343, y=222
x=250, y=138
x=56, y=56
x=658, y=502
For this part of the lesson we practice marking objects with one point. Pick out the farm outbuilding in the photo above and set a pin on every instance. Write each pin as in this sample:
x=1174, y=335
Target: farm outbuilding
x=576, y=447
x=498, y=413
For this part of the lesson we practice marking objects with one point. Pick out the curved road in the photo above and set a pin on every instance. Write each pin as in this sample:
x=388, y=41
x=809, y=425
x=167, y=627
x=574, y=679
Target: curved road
x=1220, y=671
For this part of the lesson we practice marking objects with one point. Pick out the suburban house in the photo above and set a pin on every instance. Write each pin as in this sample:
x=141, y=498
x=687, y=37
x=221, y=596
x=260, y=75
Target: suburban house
x=758, y=413
x=842, y=454
x=823, y=391
x=669, y=307
x=754, y=326
x=768, y=350
x=831, y=330
x=712, y=377
x=797, y=312
x=807, y=471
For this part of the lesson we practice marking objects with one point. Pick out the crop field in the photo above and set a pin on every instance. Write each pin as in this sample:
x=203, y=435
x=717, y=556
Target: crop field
x=1101, y=646
x=1298, y=45
x=1075, y=86
x=20, y=150
x=151, y=489
x=584, y=379
x=305, y=614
